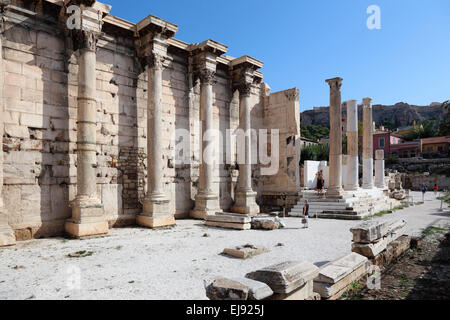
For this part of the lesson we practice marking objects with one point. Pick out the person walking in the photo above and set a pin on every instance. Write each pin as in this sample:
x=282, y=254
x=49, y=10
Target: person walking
x=436, y=189
x=424, y=191
x=306, y=215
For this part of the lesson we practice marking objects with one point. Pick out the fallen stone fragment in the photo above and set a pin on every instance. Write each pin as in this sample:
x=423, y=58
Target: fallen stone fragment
x=286, y=277
x=81, y=254
x=265, y=224
x=257, y=290
x=226, y=289
x=369, y=231
x=302, y=293
x=245, y=252
x=236, y=226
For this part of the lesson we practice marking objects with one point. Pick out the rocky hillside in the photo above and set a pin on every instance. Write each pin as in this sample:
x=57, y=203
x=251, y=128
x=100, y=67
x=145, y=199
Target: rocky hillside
x=400, y=115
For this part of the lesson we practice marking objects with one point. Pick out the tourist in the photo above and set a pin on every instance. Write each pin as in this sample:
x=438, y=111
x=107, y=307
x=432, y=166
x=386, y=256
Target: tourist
x=320, y=183
x=306, y=215
x=435, y=189
x=424, y=191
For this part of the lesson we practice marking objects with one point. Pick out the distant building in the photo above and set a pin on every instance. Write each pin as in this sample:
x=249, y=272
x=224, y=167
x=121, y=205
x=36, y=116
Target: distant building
x=305, y=142
x=325, y=141
x=394, y=144
x=437, y=145
x=406, y=130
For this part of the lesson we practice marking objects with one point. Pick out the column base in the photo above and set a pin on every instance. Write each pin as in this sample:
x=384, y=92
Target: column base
x=351, y=188
x=7, y=236
x=155, y=213
x=335, y=193
x=205, y=205
x=245, y=203
x=87, y=220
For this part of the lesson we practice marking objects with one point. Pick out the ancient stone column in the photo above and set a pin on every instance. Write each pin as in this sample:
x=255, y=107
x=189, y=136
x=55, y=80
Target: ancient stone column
x=156, y=203
x=245, y=198
x=204, y=63
x=206, y=201
x=154, y=33
x=352, y=181
x=379, y=169
x=243, y=74
x=88, y=217
x=7, y=236
x=367, y=144
x=335, y=184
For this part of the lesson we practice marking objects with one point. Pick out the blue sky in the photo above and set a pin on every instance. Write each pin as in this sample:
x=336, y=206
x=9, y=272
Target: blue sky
x=302, y=43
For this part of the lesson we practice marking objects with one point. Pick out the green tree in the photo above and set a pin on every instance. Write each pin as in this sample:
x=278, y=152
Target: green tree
x=317, y=152
x=314, y=132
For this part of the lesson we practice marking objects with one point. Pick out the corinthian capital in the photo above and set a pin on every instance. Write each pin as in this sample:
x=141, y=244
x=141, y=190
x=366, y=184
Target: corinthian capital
x=207, y=76
x=84, y=40
x=154, y=61
x=245, y=89
x=335, y=84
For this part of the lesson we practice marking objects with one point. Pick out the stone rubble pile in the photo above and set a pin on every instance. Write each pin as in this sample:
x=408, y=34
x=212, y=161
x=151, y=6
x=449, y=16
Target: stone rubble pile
x=373, y=237
x=290, y=280
x=285, y=281
x=335, y=277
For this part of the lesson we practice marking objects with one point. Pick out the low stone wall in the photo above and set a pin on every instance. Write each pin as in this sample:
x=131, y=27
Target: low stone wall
x=414, y=182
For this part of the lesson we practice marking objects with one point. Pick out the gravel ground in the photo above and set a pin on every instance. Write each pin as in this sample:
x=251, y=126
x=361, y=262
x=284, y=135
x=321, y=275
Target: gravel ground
x=171, y=264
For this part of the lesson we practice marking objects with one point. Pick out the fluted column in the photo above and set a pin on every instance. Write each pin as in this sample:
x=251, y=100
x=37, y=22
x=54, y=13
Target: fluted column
x=7, y=236
x=352, y=180
x=245, y=198
x=379, y=169
x=156, y=203
x=206, y=201
x=88, y=217
x=367, y=144
x=335, y=184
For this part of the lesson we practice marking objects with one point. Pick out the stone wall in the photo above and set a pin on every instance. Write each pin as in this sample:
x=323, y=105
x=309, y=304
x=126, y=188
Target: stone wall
x=40, y=97
x=282, y=113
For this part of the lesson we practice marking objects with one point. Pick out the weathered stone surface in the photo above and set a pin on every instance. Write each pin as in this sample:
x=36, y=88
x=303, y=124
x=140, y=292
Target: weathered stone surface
x=336, y=271
x=226, y=225
x=257, y=290
x=265, y=223
x=302, y=293
x=393, y=251
x=287, y=276
x=369, y=231
x=229, y=218
x=226, y=289
x=245, y=252
x=332, y=290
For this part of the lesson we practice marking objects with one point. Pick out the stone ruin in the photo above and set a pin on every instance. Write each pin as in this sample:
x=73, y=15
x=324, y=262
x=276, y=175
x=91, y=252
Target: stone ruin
x=375, y=244
x=344, y=197
x=92, y=119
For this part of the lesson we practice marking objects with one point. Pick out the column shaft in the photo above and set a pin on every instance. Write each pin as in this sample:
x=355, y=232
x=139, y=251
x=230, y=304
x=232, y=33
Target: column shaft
x=156, y=211
x=352, y=181
x=87, y=127
x=206, y=201
x=7, y=236
x=335, y=184
x=245, y=198
x=367, y=144
x=155, y=163
x=379, y=169
x=88, y=217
